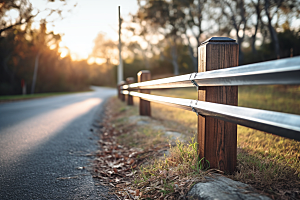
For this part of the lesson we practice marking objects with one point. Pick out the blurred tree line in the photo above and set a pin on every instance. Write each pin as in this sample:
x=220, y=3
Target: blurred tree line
x=21, y=46
x=163, y=35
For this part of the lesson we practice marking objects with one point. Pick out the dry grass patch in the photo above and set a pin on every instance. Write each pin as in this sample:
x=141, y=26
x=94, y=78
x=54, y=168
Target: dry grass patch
x=141, y=137
x=125, y=119
x=172, y=176
x=268, y=175
x=137, y=161
x=282, y=150
x=267, y=162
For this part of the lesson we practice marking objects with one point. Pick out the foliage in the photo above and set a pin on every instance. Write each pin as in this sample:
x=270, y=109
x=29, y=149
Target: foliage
x=289, y=42
x=20, y=48
x=262, y=28
x=26, y=13
x=23, y=47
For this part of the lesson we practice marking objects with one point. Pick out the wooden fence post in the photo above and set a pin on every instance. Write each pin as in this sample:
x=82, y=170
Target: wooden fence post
x=122, y=96
x=145, y=108
x=217, y=139
x=129, y=80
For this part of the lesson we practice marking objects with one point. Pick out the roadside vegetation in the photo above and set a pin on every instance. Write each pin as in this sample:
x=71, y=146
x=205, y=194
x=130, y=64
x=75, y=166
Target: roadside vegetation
x=165, y=168
x=275, y=98
x=139, y=161
x=270, y=163
x=8, y=98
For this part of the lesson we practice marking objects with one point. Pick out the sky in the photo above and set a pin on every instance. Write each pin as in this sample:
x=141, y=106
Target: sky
x=81, y=25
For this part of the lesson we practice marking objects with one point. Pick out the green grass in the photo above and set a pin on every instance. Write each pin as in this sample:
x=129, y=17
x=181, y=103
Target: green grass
x=125, y=119
x=268, y=162
x=187, y=93
x=33, y=96
x=173, y=174
x=276, y=98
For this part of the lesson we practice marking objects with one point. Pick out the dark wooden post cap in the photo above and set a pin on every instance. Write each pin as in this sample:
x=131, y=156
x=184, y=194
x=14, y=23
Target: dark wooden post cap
x=218, y=39
x=129, y=80
x=143, y=72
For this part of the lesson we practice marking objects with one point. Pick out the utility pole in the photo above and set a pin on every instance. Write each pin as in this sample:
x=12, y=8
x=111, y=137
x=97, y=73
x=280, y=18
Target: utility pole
x=120, y=67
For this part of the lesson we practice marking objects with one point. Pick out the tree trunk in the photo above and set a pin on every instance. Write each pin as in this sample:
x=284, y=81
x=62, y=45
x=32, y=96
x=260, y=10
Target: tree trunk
x=253, y=38
x=191, y=52
x=174, y=58
x=241, y=54
x=272, y=31
x=274, y=40
x=10, y=74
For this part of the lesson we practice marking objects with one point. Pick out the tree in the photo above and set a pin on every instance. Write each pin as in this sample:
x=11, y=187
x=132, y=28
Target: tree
x=278, y=8
x=234, y=14
x=257, y=9
x=107, y=50
x=175, y=20
x=104, y=48
x=25, y=10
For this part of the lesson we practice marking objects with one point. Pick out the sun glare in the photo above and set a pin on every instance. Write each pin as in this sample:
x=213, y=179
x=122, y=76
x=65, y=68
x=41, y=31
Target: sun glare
x=64, y=52
x=98, y=61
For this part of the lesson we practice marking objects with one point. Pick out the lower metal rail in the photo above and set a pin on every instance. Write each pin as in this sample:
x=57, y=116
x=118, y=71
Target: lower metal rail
x=281, y=124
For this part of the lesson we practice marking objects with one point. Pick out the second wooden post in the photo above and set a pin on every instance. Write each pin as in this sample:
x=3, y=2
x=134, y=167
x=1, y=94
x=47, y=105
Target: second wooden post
x=122, y=96
x=217, y=139
x=145, y=108
x=129, y=80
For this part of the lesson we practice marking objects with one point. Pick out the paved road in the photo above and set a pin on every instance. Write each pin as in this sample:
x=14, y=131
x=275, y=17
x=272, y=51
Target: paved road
x=44, y=142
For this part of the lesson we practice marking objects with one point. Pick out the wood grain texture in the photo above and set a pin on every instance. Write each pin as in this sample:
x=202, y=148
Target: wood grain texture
x=145, y=106
x=217, y=139
x=129, y=98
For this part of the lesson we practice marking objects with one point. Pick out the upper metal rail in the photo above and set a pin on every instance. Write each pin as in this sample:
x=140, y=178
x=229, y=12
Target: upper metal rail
x=282, y=124
x=278, y=72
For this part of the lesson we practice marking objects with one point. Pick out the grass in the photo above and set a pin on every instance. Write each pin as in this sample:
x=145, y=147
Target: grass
x=268, y=162
x=276, y=98
x=173, y=175
x=264, y=145
x=32, y=96
x=269, y=175
x=158, y=175
x=126, y=118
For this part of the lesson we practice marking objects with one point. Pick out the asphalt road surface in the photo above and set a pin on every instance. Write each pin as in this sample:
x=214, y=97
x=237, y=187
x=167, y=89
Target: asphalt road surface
x=44, y=145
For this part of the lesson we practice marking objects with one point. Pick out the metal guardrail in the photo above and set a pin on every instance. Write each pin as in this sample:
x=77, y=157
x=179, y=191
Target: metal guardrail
x=278, y=72
x=218, y=139
x=282, y=124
